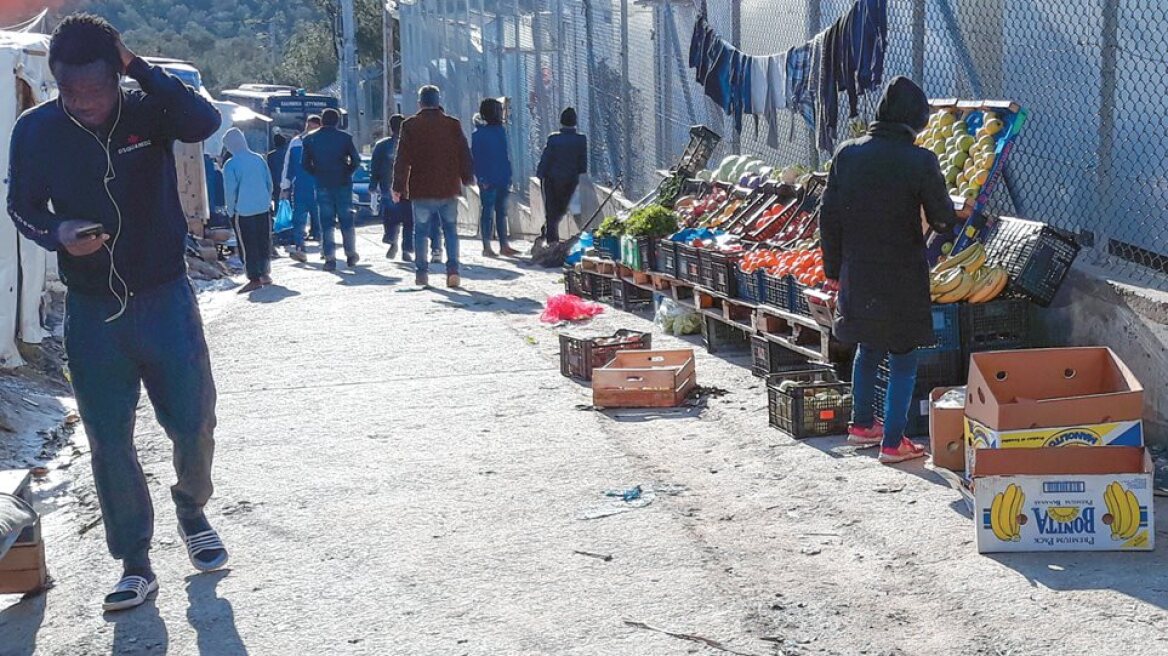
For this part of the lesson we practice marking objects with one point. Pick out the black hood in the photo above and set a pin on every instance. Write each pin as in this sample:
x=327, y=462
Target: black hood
x=904, y=102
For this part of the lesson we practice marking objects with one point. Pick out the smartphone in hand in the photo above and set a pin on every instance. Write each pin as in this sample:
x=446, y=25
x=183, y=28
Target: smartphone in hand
x=95, y=230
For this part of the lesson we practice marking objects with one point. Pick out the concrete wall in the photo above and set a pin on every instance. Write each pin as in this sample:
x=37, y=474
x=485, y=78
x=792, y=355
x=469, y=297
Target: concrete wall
x=1092, y=310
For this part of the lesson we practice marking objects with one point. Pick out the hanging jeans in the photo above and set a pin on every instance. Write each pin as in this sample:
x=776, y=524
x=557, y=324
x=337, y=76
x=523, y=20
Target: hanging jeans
x=336, y=204
x=255, y=244
x=494, y=216
x=157, y=342
x=304, y=209
x=902, y=379
x=442, y=212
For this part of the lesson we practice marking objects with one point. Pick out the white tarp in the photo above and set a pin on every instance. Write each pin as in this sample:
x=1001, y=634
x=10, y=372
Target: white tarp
x=23, y=264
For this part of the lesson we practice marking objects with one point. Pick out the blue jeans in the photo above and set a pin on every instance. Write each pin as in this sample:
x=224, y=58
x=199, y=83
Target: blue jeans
x=427, y=215
x=158, y=342
x=901, y=381
x=304, y=208
x=494, y=216
x=336, y=204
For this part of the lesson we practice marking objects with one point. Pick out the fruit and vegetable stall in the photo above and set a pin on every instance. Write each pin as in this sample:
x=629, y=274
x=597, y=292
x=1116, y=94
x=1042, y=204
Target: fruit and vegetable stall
x=733, y=250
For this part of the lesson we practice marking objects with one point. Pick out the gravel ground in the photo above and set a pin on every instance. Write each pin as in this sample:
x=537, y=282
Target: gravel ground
x=406, y=472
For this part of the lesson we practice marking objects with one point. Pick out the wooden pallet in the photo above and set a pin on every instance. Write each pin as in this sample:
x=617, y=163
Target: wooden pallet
x=734, y=311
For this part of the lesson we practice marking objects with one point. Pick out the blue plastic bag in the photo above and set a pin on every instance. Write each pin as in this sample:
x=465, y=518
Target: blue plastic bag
x=283, y=217
x=577, y=252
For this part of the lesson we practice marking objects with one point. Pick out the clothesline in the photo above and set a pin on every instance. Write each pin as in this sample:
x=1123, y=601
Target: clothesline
x=846, y=57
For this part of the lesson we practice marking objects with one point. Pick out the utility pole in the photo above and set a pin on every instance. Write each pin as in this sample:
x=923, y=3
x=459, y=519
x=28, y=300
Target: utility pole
x=349, y=74
x=387, y=63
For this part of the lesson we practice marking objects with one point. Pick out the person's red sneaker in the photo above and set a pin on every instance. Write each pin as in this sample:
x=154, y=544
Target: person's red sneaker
x=869, y=436
x=907, y=450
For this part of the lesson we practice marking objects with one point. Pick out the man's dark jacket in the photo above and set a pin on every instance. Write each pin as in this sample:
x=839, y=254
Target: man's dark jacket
x=331, y=157
x=565, y=157
x=54, y=160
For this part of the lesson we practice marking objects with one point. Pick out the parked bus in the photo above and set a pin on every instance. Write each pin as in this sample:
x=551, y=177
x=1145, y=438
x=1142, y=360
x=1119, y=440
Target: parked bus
x=288, y=107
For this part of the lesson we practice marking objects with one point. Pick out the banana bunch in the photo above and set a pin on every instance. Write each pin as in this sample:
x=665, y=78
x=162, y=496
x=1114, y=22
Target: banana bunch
x=1005, y=510
x=1124, y=509
x=964, y=277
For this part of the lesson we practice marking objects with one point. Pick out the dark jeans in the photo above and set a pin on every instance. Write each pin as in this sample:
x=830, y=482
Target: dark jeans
x=254, y=234
x=494, y=216
x=335, y=205
x=428, y=216
x=157, y=342
x=557, y=197
x=398, y=218
x=901, y=381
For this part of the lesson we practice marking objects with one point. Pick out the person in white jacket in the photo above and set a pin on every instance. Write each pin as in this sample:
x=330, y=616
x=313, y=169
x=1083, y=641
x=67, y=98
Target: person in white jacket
x=247, y=186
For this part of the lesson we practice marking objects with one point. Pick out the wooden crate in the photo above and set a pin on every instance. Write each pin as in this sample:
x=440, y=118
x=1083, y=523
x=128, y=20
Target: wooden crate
x=23, y=569
x=645, y=379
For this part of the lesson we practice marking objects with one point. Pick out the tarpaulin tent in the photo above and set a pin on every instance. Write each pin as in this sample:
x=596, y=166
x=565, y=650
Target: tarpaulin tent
x=25, y=81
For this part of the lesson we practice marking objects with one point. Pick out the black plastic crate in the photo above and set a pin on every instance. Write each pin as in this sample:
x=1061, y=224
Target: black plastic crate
x=688, y=266
x=705, y=268
x=608, y=248
x=918, y=413
x=934, y=369
x=627, y=296
x=947, y=327
x=596, y=286
x=815, y=405
x=799, y=304
x=1036, y=256
x=720, y=337
x=775, y=291
x=998, y=325
x=580, y=355
x=769, y=358
x=573, y=281
x=723, y=269
x=665, y=256
x=750, y=286
x=648, y=257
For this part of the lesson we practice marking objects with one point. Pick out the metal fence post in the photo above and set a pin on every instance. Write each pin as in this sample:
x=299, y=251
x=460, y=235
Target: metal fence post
x=1104, y=169
x=625, y=94
x=813, y=19
x=736, y=41
x=918, y=42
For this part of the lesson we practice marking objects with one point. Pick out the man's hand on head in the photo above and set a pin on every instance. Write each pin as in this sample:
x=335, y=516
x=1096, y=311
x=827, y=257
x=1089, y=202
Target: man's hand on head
x=126, y=54
x=80, y=245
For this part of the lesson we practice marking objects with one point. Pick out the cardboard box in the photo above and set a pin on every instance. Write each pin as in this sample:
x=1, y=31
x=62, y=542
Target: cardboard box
x=23, y=569
x=979, y=436
x=1043, y=388
x=946, y=433
x=1063, y=500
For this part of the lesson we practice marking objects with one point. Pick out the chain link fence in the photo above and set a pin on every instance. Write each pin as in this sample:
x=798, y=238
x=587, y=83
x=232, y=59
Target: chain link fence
x=1092, y=73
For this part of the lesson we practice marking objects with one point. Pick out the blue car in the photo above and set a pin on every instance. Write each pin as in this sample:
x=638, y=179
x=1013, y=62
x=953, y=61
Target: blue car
x=363, y=209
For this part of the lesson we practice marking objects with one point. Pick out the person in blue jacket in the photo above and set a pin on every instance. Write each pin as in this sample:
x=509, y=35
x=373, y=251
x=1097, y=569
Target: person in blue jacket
x=492, y=166
x=564, y=160
x=299, y=186
x=92, y=177
x=332, y=158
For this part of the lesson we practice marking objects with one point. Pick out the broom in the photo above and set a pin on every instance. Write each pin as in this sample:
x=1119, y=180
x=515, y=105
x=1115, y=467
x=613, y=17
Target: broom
x=553, y=256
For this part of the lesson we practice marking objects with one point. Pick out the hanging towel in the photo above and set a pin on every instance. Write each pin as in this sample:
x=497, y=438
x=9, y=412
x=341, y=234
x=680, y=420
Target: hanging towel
x=759, y=84
x=776, y=95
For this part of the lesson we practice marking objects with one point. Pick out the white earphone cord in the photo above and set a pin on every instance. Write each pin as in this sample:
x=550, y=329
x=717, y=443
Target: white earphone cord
x=110, y=176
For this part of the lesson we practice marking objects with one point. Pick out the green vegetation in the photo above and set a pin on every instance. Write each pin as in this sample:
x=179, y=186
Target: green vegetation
x=611, y=226
x=233, y=41
x=651, y=221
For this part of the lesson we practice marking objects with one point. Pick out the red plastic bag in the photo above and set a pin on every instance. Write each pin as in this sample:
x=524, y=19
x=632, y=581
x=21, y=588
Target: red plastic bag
x=568, y=307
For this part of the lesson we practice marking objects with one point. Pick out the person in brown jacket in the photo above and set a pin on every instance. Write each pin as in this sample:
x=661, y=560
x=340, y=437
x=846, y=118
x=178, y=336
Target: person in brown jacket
x=433, y=163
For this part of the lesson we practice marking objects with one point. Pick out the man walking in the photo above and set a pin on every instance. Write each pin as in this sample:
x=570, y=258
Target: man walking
x=247, y=183
x=331, y=157
x=395, y=217
x=433, y=163
x=92, y=177
x=301, y=187
x=564, y=160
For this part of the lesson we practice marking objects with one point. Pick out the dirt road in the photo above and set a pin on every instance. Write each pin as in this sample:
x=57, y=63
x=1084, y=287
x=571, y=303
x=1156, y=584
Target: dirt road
x=406, y=472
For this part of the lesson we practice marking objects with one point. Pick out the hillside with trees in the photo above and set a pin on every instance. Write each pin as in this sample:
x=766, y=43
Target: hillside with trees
x=232, y=41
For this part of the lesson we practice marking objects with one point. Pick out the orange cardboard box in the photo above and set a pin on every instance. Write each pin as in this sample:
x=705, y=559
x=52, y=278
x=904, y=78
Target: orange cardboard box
x=946, y=433
x=1042, y=388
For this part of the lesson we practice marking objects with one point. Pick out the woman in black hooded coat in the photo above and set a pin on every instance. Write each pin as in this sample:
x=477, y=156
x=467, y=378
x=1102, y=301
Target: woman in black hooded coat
x=874, y=253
